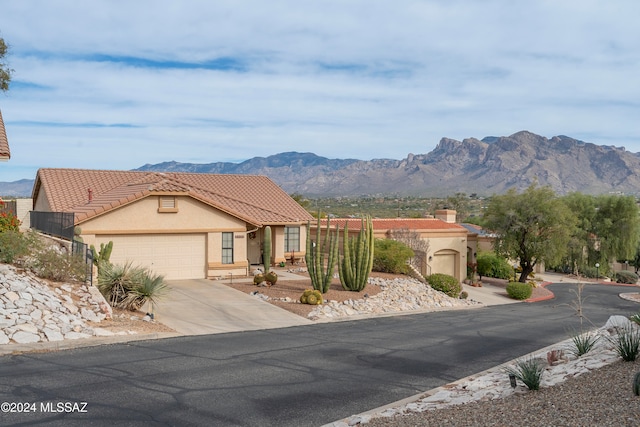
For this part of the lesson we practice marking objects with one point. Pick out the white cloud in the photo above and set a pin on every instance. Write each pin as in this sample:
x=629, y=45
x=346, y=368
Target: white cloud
x=116, y=84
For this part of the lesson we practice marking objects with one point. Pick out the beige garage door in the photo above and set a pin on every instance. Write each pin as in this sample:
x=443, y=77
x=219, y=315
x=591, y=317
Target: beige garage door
x=175, y=256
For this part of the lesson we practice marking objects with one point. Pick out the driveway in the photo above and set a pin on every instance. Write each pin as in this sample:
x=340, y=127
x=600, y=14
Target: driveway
x=200, y=306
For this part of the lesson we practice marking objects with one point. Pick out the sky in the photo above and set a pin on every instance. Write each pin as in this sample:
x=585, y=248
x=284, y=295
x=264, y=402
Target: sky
x=118, y=84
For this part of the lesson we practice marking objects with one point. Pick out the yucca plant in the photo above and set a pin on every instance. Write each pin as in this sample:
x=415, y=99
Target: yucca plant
x=627, y=343
x=115, y=281
x=151, y=289
x=582, y=343
x=529, y=371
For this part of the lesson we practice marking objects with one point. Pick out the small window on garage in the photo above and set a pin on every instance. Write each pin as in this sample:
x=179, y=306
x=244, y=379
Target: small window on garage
x=167, y=204
x=292, y=239
x=227, y=248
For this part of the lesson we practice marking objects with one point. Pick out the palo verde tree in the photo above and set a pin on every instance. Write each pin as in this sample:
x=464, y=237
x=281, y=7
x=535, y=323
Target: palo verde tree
x=531, y=227
x=5, y=71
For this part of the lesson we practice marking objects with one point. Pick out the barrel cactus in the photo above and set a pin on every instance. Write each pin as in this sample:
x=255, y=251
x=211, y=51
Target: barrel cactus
x=312, y=297
x=258, y=278
x=271, y=277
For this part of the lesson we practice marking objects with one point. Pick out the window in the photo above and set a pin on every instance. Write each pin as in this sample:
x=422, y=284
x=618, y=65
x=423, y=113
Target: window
x=227, y=248
x=292, y=239
x=167, y=204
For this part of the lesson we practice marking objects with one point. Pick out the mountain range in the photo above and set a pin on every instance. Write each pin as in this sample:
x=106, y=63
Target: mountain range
x=488, y=166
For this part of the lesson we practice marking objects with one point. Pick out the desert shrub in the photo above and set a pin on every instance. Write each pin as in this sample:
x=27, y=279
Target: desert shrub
x=391, y=256
x=627, y=277
x=582, y=343
x=129, y=287
x=55, y=264
x=491, y=265
x=529, y=371
x=519, y=290
x=13, y=245
x=591, y=272
x=445, y=283
x=627, y=343
x=150, y=289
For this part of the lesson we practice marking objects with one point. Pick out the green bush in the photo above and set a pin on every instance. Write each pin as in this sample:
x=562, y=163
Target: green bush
x=627, y=277
x=445, y=283
x=491, y=265
x=519, y=290
x=391, y=256
x=13, y=245
x=8, y=221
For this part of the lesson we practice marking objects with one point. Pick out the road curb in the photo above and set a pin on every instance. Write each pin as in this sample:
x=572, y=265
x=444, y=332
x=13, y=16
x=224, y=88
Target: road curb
x=49, y=346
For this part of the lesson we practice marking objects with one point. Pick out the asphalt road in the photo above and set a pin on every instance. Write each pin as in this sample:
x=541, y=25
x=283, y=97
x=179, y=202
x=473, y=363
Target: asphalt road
x=299, y=376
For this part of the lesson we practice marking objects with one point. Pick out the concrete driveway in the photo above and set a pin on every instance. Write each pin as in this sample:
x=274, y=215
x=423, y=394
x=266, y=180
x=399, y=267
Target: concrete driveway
x=200, y=306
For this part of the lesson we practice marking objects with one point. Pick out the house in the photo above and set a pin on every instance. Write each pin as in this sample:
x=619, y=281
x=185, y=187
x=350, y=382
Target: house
x=5, y=153
x=180, y=225
x=447, y=251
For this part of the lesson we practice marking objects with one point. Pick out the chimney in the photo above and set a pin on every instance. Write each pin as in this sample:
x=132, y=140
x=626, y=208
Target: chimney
x=446, y=215
x=90, y=191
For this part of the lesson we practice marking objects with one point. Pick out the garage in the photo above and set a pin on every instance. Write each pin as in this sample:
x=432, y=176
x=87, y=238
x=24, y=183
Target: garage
x=175, y=256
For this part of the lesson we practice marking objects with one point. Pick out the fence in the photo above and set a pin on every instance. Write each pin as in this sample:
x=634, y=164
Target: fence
x=79, y=248
x=59, y=224
x=9, y=207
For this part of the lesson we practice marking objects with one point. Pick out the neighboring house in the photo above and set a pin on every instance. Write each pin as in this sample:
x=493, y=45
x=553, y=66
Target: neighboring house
x=5, y=153
x=447, y=241
x=180, y=225
x=478, y=238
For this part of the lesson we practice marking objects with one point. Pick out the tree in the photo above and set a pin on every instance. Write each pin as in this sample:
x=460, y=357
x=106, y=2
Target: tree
x=616, y=227
x=531, y=227
x=5, y=71
x=608, y=228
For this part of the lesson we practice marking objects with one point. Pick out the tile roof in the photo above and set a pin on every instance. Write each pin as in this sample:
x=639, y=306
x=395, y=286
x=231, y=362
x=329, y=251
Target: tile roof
x=5, y=153
x=384, y=224
x=252, y=198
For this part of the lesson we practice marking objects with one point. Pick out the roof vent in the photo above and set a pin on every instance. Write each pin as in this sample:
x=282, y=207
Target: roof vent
x=90, y=193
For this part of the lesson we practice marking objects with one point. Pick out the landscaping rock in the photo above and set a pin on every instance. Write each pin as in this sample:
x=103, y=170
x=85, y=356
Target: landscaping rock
x=31, y=311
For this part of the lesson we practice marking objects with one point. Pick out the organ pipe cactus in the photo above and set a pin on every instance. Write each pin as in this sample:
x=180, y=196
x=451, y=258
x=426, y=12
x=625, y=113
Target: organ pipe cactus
x=357, y=257
x=321, y=257
x=266, y=249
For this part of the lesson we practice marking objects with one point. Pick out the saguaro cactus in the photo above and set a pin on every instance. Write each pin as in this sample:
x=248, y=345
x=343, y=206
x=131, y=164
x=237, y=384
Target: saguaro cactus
x=357, y=257
x=99, y=258
x=321, y=258
x=266, y=249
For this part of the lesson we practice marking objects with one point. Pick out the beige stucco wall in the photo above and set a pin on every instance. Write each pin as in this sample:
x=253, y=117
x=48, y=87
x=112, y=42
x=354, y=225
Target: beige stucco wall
x=192, y=216
x=447, y=249
x=447, y=253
